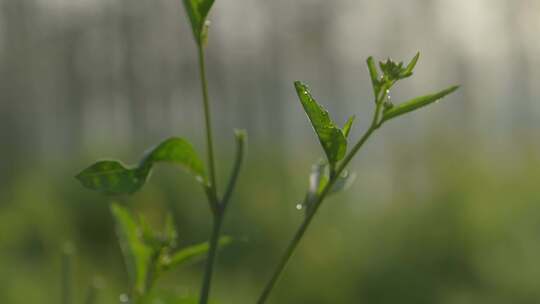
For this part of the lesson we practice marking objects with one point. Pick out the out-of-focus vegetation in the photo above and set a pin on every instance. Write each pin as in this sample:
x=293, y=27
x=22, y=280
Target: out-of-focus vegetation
x=470, y=237
x=446, y=205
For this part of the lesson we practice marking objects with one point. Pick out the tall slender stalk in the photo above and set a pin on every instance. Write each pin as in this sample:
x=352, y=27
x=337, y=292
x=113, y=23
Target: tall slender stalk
x=293, y=244
x=213, y=200
x=217, y=206
x=208, y=124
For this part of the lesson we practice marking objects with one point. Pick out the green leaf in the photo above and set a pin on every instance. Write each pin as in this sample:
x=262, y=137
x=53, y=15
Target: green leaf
x=136, y=253
x=190, y=253
x=410, y=67
x=391, y=70
x=330, y=136
x=176, y=151
x=197, y=11
x=112, y=177
x=348, y=125
x=375, y=83
x=416, y=103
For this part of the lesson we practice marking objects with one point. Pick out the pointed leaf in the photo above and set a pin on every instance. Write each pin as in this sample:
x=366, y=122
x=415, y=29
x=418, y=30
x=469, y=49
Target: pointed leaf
x=197, y=11
x=330, y=136
x=348, y=125
x=410, y=67
x=137, y=254
x=416, y=103
x=111, y=177
x=190, y=253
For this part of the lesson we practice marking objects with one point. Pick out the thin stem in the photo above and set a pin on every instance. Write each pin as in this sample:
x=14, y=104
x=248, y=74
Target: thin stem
x=212, y=253
x=316, y=204
x=208, y=125
x=218, y=219
x=240, y=147
x=67, y=274
x=212, y=188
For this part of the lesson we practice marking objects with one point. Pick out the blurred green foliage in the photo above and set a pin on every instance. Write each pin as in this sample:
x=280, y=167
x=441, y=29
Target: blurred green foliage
x=471, y=235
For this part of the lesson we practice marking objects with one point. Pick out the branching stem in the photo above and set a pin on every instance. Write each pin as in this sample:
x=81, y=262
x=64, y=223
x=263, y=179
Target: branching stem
x=217, y=206
x=375, y=124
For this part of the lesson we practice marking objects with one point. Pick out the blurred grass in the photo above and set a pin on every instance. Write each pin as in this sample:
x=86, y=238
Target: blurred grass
x=453, y=227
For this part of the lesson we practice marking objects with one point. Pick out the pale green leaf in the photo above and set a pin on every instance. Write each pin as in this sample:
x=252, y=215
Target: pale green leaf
x=137, y=254
x=190, y=253
x=348, y=125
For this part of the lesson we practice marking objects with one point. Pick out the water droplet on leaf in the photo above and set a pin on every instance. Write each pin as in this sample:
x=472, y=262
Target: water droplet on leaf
x=299, y=206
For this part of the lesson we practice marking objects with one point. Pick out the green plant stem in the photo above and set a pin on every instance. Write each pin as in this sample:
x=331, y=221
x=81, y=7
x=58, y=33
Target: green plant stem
x=240, y=151
x=212, y=253
x=316, y=204
x=218, y=220
x=213, y=200
x=208, y=125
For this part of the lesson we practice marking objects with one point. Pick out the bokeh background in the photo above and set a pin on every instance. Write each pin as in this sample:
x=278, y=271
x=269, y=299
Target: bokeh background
x=446, y=205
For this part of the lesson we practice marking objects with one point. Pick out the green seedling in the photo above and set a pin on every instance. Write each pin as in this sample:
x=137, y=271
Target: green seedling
x=114, y=178
x=149, y=253
x=331, y=175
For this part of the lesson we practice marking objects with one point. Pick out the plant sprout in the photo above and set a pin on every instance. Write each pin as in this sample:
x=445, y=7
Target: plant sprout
x=113, y=177
x=331, y=175
x=148, y=253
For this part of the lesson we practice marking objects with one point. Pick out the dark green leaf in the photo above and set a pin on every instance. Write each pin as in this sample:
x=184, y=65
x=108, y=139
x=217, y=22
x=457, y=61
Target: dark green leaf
x=416, y=103
x=111, y=177
x=331, y=137
x=197, y=11
x=348, y=125
x=136, y=253
x=391, y=70
x=190, y=253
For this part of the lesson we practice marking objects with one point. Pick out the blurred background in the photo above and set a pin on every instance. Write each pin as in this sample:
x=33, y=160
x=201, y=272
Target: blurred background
x=446, y=205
